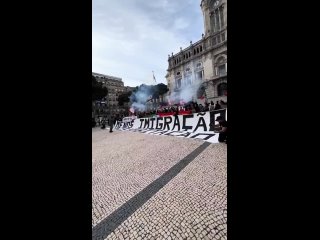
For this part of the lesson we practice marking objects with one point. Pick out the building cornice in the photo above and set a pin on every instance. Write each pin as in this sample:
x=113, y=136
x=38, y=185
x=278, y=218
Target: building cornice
x=107, y=76
x=217, y=47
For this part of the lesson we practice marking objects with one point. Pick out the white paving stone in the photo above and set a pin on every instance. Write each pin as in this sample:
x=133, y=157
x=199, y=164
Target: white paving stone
x=193, y=205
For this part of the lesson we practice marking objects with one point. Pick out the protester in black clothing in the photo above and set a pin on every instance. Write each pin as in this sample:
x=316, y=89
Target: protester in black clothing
x=196, y=107
x=218, y=106
x=201, y=108
x=176, y=112
x=103, y=123
x=111, y=122
x=206, y=106
x=223, y=129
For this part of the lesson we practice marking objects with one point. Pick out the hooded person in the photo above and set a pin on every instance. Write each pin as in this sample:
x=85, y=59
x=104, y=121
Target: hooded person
x=103, y=123
x=223, y=131
x=111, y=122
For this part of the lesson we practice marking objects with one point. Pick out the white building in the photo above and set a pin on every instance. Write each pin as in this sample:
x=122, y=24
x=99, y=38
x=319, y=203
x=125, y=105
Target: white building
x=203, y=63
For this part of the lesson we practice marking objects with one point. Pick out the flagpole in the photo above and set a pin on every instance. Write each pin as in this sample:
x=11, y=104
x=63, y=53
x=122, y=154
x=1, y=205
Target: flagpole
x=154, y=78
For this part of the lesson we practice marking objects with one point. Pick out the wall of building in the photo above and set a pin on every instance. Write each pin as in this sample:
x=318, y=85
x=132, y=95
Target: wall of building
x=206, y=52
x=115, y=87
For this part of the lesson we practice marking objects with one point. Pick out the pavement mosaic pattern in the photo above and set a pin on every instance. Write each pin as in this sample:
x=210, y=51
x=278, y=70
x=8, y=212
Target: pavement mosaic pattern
x=155, y=187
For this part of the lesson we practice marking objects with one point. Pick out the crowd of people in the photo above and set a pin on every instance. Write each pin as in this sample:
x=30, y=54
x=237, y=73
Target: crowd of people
x=103, y=121
x=189, y=108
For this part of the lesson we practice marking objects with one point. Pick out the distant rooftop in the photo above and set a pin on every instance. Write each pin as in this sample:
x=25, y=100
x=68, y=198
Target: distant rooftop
x=106, y=76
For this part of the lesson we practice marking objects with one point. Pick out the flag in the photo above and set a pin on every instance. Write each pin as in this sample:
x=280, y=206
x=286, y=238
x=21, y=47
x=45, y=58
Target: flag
x=154, y=78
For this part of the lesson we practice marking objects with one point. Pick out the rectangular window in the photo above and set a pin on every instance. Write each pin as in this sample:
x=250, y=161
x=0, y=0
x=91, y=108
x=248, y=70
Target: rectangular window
x=217, y=21
x=222, y=70
x=221, y=17
x=214, y=41
x=188, y=80
x=223, y=37
x=199, y=75
x=178, y=83
x=213, y=23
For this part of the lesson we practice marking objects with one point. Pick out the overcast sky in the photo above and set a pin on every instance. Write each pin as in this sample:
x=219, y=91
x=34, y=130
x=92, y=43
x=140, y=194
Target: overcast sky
x=132, y=38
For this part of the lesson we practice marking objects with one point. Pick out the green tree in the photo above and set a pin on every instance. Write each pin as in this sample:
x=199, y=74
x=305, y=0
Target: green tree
x=124, y=98
x=162, y=88
x=154, y=90
x=159, y=89
x=98, y=91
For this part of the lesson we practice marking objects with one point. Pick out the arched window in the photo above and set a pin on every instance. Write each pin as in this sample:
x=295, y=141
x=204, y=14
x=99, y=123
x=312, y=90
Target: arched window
x=222, y=89
x=221, y=59
x=178, y=83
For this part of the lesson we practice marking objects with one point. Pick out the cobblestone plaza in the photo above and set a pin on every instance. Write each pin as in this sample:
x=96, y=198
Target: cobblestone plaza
x=157, y=187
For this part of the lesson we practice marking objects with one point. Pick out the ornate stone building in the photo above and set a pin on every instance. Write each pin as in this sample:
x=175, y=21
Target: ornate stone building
x=205, y=61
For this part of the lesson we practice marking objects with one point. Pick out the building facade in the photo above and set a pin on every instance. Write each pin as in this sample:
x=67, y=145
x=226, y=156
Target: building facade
x=115, y=88
x=204, y=63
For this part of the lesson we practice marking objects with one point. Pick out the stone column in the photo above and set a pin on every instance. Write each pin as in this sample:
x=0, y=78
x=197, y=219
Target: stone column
x=219, y=17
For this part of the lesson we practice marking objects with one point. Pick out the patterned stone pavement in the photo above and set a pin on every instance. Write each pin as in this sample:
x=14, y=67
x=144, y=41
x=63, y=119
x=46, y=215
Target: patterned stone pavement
x=190, y=204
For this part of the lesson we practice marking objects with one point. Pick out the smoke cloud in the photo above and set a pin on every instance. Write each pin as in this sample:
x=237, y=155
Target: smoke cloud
x=187, y=93
x=139, y=98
